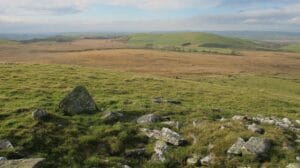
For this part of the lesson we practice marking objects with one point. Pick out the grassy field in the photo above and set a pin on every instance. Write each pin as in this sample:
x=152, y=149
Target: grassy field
x=292, y=48
x=86, y=141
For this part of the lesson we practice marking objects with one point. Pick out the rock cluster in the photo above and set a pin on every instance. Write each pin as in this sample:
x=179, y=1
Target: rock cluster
x=255, y=145
x=22, y=163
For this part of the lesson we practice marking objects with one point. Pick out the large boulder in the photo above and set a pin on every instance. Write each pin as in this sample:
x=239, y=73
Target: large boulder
x=236, y=148
x=78, y=101
x=22, y=163
x=148, y=119
x=171, y=137
x=258, y=146
x=5, y=144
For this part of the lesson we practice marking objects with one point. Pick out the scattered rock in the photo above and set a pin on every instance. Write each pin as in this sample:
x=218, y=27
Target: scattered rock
x=194, y=161
x=78, y=101
x=148, y=119
x=5, y=144
x=135, y=152
x=255, y=128
x=165, y=135
x=239, y=118
x=293, y=165
x=297, y=121
x=237, y=147
x=151, y=133
x=39, y=114
x=223, y=119
x=206, y=160
x=22, y=163
x=160, y=100
x=258, y=146
x=286, y=121
x=171, y=137
x=160, y=148
x=298, y=158
x=3, y=158
x=111, y=117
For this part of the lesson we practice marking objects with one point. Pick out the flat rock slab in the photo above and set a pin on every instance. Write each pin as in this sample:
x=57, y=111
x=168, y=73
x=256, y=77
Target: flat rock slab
x=148, y=119
x=78, y=101
x=22, y=163
x=258, y=146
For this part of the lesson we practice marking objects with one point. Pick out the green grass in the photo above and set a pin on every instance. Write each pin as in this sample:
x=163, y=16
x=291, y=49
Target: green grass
x=292, y=48
x=190, y=41
x=86, y=141
x=7, y=42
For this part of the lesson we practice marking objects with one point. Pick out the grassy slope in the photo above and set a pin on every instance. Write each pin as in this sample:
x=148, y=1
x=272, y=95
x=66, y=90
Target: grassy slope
x=85, y=141
x=292, y=48
x=177, y=39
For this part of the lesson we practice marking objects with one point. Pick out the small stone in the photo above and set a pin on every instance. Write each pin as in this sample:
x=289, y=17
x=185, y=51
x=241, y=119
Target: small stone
x=157, y=100
x=5, y=144
x=298, y=158
x=222, y=127
x=286, y=121
x=3, y=158
x=148, y=119
x=39, y=114
x=236, y=148
x=160, y=148
x=194, y=161
x=171, y=137
x=255, y=128
x=135, y=152
x=298, y=122
x=258, y=146
x=239, y=118
x=111, y=117
x=126, y=166
x=223, y=119
x=206, y=160
x=293, y=165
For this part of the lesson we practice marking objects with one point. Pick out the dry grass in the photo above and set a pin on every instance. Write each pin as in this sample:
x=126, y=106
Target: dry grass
x=107, y=54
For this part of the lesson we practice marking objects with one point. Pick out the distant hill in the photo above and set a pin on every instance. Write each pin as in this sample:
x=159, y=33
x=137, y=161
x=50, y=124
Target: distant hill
x=271, y=36
x=191, y=39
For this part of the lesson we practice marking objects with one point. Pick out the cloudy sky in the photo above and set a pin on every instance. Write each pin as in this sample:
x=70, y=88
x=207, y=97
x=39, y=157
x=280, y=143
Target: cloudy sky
x=39, y=16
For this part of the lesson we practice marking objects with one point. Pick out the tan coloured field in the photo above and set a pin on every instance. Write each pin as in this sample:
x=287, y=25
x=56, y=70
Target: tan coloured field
x=112, y=54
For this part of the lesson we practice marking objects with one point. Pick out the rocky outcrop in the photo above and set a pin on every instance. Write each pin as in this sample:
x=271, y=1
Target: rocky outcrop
x=148, y=119
x=22, y=163
x=5, y=144
x=39, y=114
x=239, y=118
x=78, y=101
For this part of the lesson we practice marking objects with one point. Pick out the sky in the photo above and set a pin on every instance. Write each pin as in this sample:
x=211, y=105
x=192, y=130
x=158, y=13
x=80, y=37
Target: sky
x=47, y=16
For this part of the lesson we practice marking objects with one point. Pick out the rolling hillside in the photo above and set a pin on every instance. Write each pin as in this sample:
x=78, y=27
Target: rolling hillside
x=190, y=40
x=292, y=48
